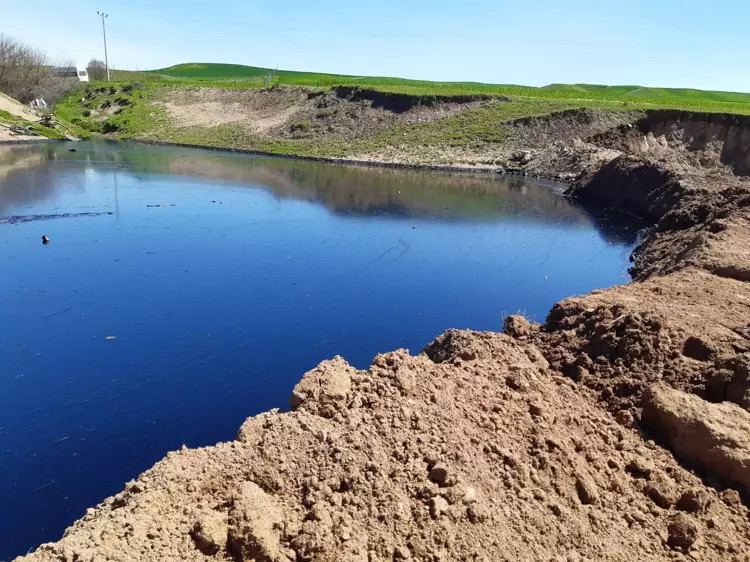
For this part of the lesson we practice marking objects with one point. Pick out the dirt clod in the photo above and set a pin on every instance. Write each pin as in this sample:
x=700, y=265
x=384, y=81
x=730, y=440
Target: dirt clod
x=714, y=437
x=516, y=326
x=586, y=490
x=662, y=490
x=682, y=532
x=694, y=501
x=731, y=497
x=255, y=520
x=470, y=496
x=210, y=532
x=438, y=506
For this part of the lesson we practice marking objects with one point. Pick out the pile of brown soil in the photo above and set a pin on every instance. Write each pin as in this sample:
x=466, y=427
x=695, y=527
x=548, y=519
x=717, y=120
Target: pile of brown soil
x=473, y=450
x=679, y=329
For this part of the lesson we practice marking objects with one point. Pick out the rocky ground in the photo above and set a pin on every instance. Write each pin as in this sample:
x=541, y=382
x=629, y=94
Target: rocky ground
x=618, y=430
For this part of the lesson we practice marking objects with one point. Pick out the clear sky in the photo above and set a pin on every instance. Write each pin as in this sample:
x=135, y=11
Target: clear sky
x=677, y=43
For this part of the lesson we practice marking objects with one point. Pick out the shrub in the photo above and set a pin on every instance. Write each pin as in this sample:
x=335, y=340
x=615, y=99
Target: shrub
x=97, y=70
x=301, y=126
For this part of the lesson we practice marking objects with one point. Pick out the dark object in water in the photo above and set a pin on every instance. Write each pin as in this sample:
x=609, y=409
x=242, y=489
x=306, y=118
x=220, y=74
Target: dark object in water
x=45, y=239
x=17, y=219
x=71, y=150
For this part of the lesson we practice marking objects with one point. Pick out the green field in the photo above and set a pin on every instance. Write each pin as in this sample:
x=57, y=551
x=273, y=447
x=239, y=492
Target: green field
x=235, y=75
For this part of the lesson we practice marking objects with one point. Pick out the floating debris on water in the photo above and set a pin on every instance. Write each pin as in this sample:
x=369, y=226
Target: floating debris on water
x=17, y=219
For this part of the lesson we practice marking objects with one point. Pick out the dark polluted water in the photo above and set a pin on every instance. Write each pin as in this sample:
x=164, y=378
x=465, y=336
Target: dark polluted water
x=181, y=291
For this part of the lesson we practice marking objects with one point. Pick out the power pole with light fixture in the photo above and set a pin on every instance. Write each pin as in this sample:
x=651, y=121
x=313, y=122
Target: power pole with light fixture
x=104, y=32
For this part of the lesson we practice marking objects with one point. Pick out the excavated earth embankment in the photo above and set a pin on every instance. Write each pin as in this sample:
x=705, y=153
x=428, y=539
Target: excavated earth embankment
x=289, y=112
x=618, y=430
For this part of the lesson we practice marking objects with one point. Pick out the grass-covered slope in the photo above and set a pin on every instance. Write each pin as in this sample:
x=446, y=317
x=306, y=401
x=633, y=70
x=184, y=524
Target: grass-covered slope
x=145, y=110
x=678, y=98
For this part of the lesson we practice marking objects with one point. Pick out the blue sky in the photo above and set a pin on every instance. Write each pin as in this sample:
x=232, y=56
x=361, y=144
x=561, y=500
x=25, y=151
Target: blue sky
x=683, y=43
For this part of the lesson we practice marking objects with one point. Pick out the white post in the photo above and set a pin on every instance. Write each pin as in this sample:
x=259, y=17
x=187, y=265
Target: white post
x=104, y=33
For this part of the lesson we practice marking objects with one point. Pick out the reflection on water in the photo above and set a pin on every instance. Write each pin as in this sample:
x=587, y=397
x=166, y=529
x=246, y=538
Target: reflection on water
x=342, y=189
x=184, y=290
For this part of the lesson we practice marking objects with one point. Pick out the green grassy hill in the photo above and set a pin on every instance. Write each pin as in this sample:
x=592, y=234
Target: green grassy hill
x=241, y=75
x=237, y=73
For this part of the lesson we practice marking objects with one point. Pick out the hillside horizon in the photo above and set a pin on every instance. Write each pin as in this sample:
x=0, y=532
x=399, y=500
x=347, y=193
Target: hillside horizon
x=230, y=71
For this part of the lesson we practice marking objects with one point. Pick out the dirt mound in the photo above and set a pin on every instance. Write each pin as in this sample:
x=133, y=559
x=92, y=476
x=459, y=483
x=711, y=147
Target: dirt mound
x=16, y=109
x=632, y=184
x=665, y=155
x=688, y=329
x=709, y=230
x=486, y=454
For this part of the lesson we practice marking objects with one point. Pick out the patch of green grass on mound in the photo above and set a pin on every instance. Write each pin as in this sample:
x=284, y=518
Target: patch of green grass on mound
x=123, y=108
x=7, y=118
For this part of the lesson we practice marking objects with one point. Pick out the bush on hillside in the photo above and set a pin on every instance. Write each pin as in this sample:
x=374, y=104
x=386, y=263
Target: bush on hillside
x=97, y=70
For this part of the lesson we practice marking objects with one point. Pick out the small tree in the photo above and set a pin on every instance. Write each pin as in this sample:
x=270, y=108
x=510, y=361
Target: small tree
x=22, y=69
x=25, y=73
x=97, y=70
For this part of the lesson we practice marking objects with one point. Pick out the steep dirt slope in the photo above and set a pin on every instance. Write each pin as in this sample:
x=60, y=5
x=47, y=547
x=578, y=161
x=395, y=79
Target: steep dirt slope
x=688, y=323
x=694, y=140
x=16, y=108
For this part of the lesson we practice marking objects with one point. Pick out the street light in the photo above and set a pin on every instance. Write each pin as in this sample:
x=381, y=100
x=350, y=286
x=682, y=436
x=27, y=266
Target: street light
x=104, y=32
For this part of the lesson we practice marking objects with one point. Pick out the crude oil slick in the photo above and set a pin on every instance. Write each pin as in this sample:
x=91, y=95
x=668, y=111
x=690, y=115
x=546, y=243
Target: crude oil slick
x=185, y=290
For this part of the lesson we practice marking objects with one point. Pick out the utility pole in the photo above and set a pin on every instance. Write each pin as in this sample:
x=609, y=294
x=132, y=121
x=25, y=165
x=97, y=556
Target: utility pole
x=104, y=32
